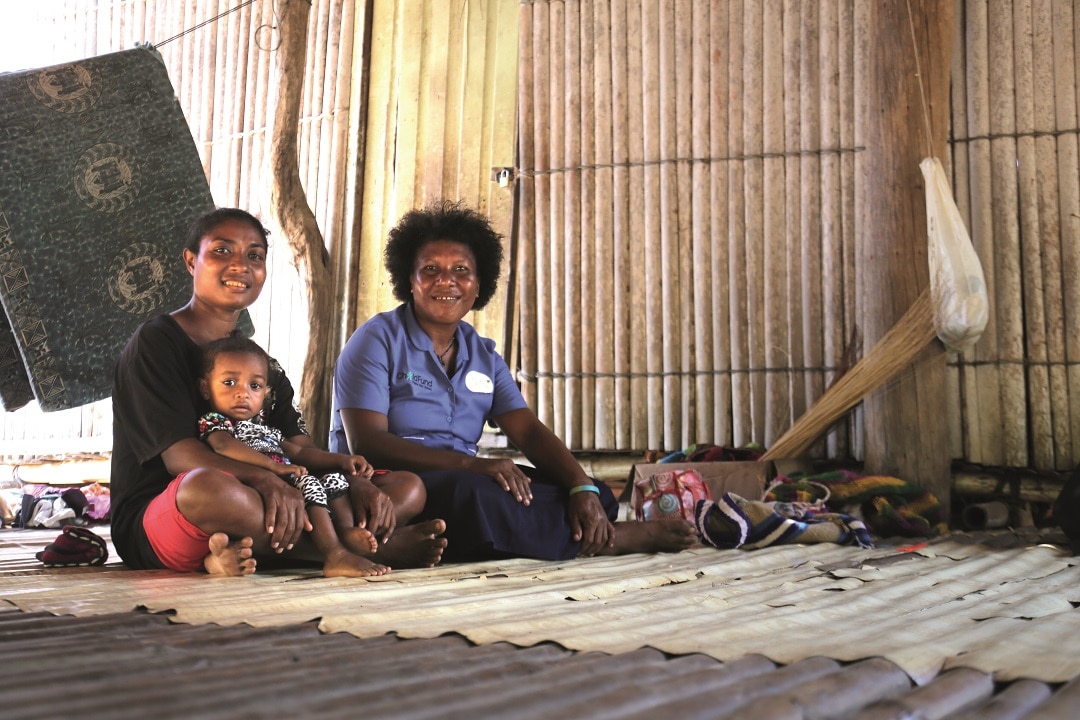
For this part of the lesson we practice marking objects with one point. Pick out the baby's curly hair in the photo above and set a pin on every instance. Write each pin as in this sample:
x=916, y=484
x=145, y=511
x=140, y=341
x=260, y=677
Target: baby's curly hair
x=444, y=221
x=233, y=343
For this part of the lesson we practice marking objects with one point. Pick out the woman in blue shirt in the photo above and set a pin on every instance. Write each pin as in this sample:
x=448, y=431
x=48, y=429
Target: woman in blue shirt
x=414, y=386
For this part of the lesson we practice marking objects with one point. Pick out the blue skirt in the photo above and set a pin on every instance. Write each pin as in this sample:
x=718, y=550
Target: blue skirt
x=484, y=522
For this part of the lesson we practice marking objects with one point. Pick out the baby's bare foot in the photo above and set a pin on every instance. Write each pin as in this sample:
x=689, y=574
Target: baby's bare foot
x=414, y=546
x=358, y=540
x=229, y=558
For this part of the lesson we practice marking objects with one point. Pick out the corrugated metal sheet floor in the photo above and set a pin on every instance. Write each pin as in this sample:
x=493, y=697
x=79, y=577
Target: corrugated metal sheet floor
x=136, y=664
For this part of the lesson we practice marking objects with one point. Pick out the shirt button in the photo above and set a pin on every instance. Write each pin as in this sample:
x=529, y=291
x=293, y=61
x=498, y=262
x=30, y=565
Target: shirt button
x=449, y=419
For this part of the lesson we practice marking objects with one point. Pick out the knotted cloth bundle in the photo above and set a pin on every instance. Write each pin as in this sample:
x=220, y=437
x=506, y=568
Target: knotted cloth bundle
x=735, y=522
x=75, y=547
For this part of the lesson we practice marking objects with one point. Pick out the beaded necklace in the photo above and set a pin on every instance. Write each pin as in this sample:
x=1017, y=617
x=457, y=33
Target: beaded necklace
x=445, y=352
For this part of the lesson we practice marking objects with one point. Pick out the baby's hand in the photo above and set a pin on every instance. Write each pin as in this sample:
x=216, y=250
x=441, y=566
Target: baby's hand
x=294, y=469
x=359, y=466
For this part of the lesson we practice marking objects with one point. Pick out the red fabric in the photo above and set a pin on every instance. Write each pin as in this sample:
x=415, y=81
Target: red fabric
x=178, y=544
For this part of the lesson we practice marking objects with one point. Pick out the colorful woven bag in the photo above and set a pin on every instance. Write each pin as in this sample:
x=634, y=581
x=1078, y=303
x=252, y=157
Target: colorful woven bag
x=668, y=493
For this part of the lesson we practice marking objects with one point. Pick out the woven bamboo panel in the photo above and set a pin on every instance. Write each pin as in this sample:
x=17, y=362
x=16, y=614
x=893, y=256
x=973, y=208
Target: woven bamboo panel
x=100, y=179
x=995, y=602
x=1014, y=161
x=441, y=94
x=689, y=191
x=685, y=208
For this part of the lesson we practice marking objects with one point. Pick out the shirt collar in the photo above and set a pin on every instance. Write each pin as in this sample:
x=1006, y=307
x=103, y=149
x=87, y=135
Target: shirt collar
x=417, y=337
x=420, y=339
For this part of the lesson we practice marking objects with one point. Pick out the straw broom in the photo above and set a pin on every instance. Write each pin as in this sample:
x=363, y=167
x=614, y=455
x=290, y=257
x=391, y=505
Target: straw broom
x=892, y=353
x=954, y=308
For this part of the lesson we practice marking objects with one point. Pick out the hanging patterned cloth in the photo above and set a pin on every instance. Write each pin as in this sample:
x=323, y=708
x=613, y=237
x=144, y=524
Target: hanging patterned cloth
x=99, y=180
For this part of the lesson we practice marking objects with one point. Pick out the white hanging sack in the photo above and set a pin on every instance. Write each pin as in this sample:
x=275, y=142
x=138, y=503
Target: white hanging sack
x=957, y=284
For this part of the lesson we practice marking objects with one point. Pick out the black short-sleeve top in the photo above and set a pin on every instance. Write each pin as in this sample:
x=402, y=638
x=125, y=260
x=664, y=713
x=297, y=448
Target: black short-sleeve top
x=156, y=403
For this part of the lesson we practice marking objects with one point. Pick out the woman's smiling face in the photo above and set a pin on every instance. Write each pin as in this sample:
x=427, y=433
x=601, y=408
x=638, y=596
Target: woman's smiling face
x=230, y=268
x=444, y=281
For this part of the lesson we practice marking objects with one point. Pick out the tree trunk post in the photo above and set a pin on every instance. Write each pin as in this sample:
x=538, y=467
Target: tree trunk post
x=290, y=209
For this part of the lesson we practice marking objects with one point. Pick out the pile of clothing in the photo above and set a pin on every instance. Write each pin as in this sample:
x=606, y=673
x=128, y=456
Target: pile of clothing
x=840, y=506
x=48, y=506
x=889, y=506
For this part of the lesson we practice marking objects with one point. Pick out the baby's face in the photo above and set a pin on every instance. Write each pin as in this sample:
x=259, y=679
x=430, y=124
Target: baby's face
x=237, y=385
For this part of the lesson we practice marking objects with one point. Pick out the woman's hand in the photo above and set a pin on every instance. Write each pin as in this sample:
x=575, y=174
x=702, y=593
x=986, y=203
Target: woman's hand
x=372, y=508
x=507, y=473
x=589, y=523
x=284, y=514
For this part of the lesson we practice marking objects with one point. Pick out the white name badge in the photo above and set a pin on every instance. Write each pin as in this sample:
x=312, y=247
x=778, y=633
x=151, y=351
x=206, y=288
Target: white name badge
x=478, y=382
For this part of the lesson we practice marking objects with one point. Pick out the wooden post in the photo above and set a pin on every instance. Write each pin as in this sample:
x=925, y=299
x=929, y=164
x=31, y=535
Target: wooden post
x=291, y=211
x=906, y=119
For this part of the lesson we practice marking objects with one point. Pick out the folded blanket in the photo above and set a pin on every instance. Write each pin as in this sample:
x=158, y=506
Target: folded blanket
x=890, y=506
x=735, y=522
x=75, y=547
x=707, y=452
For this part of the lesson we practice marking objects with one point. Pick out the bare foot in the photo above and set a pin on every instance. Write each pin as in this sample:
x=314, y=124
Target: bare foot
x=651, y=536
x=415, y=546
x=229, y=558
x=357, y=540
x=342, y=563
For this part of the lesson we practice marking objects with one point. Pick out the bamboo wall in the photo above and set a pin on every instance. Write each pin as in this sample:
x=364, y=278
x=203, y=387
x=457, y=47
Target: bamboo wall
x=687, y=211
x=1016, y=179
x=689, y=187
x=687, y=183
x=441, y=94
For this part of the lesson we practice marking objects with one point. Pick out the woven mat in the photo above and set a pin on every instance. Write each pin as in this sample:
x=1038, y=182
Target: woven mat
x=99, y=180
x=953, y=603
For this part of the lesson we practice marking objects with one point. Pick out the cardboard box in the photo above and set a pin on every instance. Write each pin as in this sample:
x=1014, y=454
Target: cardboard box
x=745, y=479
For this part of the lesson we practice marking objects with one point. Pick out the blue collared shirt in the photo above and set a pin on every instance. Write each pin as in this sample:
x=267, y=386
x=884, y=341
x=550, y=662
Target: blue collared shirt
x=389, y=366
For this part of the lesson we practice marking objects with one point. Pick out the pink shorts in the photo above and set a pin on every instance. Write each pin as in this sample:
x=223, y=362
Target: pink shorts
x=178, y=544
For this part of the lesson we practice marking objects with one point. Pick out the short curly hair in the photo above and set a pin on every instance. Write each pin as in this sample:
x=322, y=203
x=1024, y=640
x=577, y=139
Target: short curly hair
x=444, y=221
x=205, y=224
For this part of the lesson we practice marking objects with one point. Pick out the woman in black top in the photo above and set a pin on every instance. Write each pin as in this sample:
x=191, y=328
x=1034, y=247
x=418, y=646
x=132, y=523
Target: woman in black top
x=175, y=502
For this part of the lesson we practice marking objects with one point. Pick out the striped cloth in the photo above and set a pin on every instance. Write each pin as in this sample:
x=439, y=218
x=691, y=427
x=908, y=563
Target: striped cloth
x=735, y=522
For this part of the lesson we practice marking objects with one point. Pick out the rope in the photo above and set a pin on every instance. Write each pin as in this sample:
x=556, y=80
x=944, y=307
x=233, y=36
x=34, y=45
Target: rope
x=922, y=89
x=533, y=172
x=532, y=377
x=1016, y=135
x=205, y=23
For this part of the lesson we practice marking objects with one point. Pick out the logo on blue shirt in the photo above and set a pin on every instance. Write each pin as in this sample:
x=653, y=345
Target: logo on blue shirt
x=417, y=380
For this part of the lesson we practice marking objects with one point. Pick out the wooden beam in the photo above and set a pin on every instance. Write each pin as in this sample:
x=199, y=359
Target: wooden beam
x=906, y=120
